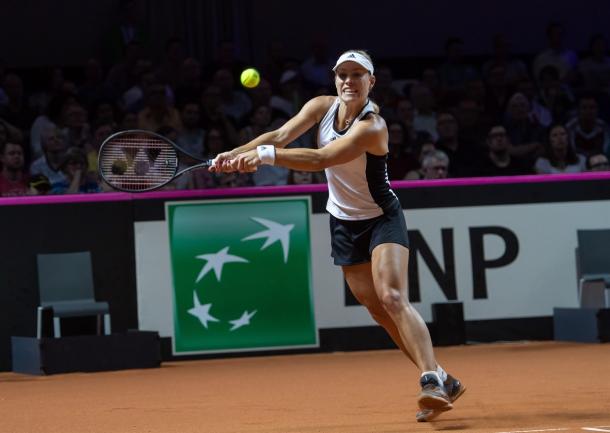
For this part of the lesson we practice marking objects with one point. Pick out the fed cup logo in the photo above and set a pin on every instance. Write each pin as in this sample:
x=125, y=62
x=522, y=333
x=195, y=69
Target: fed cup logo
x=241, y=273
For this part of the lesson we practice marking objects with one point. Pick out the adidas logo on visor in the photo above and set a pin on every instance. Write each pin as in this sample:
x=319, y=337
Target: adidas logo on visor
x=355, y=57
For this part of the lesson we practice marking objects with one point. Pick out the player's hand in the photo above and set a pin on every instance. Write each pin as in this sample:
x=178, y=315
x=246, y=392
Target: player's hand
x=246, y=162
x=221, y=163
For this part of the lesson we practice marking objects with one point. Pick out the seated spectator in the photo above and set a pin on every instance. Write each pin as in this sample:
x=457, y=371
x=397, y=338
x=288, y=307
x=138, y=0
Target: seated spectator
x=259, y=120
x=233, y=103
x=498, y=92
x=316, y=68
x=429, y=78
x=74, y=167
x=190, y=81
x=169, y=71
x=454, y=73
x=383, y=93
x=405, y=115
x=473, y=124
x=216, y=143
x=17, y=111
x=539, y=112
x=559, y=156
x=555, y=96
x=132, y=99
x=13, y=178
x=129, y=121
x=424, y=149
x=435, y=165
x=52, y=117
x=53, y=147
x=191, y=137
x=595, y=69
x=498, y=160
x=524, y=132
x=424, y=117
x=275, y=60
x=289, y=99
x=400, y=160
x=227, y=56
x=261, y=94
x=564, y=59
x=9, y=132
x=158, y=112
x=129, y=27
x=77, y=130
x=598, y=162
x=104, y=111
x=514, y=69
x=121, y=75
x=462, y=156
x=100, y=133
x=477, y=92
x=588, y=133
x=55, y=85
x=212, y=115
x=94, y=88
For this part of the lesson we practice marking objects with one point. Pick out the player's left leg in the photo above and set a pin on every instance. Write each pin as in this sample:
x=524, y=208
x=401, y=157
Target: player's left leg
x=389, y=267
x=360, y=281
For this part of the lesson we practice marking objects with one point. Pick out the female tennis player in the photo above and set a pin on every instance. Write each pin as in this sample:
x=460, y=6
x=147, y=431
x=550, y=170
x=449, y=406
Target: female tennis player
x=368, y=230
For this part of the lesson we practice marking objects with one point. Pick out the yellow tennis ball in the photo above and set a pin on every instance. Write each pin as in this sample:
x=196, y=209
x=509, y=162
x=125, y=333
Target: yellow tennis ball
x=250, y=78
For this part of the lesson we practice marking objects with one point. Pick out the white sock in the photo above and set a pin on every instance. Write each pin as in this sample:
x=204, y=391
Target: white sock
x=441, y=373
x=435, y=374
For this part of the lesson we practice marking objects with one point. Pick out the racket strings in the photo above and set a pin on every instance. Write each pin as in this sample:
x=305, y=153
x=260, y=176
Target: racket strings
x=136, y=162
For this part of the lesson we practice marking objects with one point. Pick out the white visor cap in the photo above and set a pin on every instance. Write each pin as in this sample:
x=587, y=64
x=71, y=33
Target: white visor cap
x=352, y=56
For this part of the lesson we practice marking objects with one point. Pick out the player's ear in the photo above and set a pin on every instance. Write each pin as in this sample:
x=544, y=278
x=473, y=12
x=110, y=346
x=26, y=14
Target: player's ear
x=372, y=81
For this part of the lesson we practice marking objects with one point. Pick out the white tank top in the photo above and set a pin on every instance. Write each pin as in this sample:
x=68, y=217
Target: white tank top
x=358, y=189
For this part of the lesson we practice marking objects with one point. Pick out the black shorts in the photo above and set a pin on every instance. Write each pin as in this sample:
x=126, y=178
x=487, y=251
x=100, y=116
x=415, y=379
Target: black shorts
x=353, y=241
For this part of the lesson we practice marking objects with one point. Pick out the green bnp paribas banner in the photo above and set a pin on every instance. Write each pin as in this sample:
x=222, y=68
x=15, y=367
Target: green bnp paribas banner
x=242, y=275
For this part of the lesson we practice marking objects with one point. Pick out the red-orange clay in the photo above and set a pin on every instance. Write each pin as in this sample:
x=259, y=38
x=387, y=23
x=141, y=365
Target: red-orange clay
x=512, y=387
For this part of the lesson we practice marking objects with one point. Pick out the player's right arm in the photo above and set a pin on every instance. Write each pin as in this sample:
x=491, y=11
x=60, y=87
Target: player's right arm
x=311, y=113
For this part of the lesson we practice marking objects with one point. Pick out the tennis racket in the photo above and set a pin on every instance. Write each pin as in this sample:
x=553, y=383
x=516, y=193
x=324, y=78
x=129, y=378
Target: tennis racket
x=139, y=161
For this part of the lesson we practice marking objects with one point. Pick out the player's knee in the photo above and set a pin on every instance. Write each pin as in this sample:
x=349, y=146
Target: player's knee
x=392, y=301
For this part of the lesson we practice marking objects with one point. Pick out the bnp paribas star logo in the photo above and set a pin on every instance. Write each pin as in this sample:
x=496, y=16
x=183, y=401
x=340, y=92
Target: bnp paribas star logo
x=241, y=272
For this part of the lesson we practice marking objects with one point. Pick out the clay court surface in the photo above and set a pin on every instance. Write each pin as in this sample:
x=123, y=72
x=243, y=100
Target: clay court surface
x=512, y=387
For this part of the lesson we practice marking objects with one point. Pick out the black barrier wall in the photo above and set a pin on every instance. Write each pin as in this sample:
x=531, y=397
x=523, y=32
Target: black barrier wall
x=106, y=229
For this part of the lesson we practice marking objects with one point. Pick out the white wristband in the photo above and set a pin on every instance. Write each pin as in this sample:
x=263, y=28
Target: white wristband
x=266, y=153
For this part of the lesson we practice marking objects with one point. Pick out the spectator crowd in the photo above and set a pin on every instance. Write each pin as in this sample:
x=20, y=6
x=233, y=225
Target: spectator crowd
x=454, y=117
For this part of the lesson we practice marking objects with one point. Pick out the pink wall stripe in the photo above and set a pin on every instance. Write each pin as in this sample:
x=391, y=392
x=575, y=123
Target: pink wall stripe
x=293, y=189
